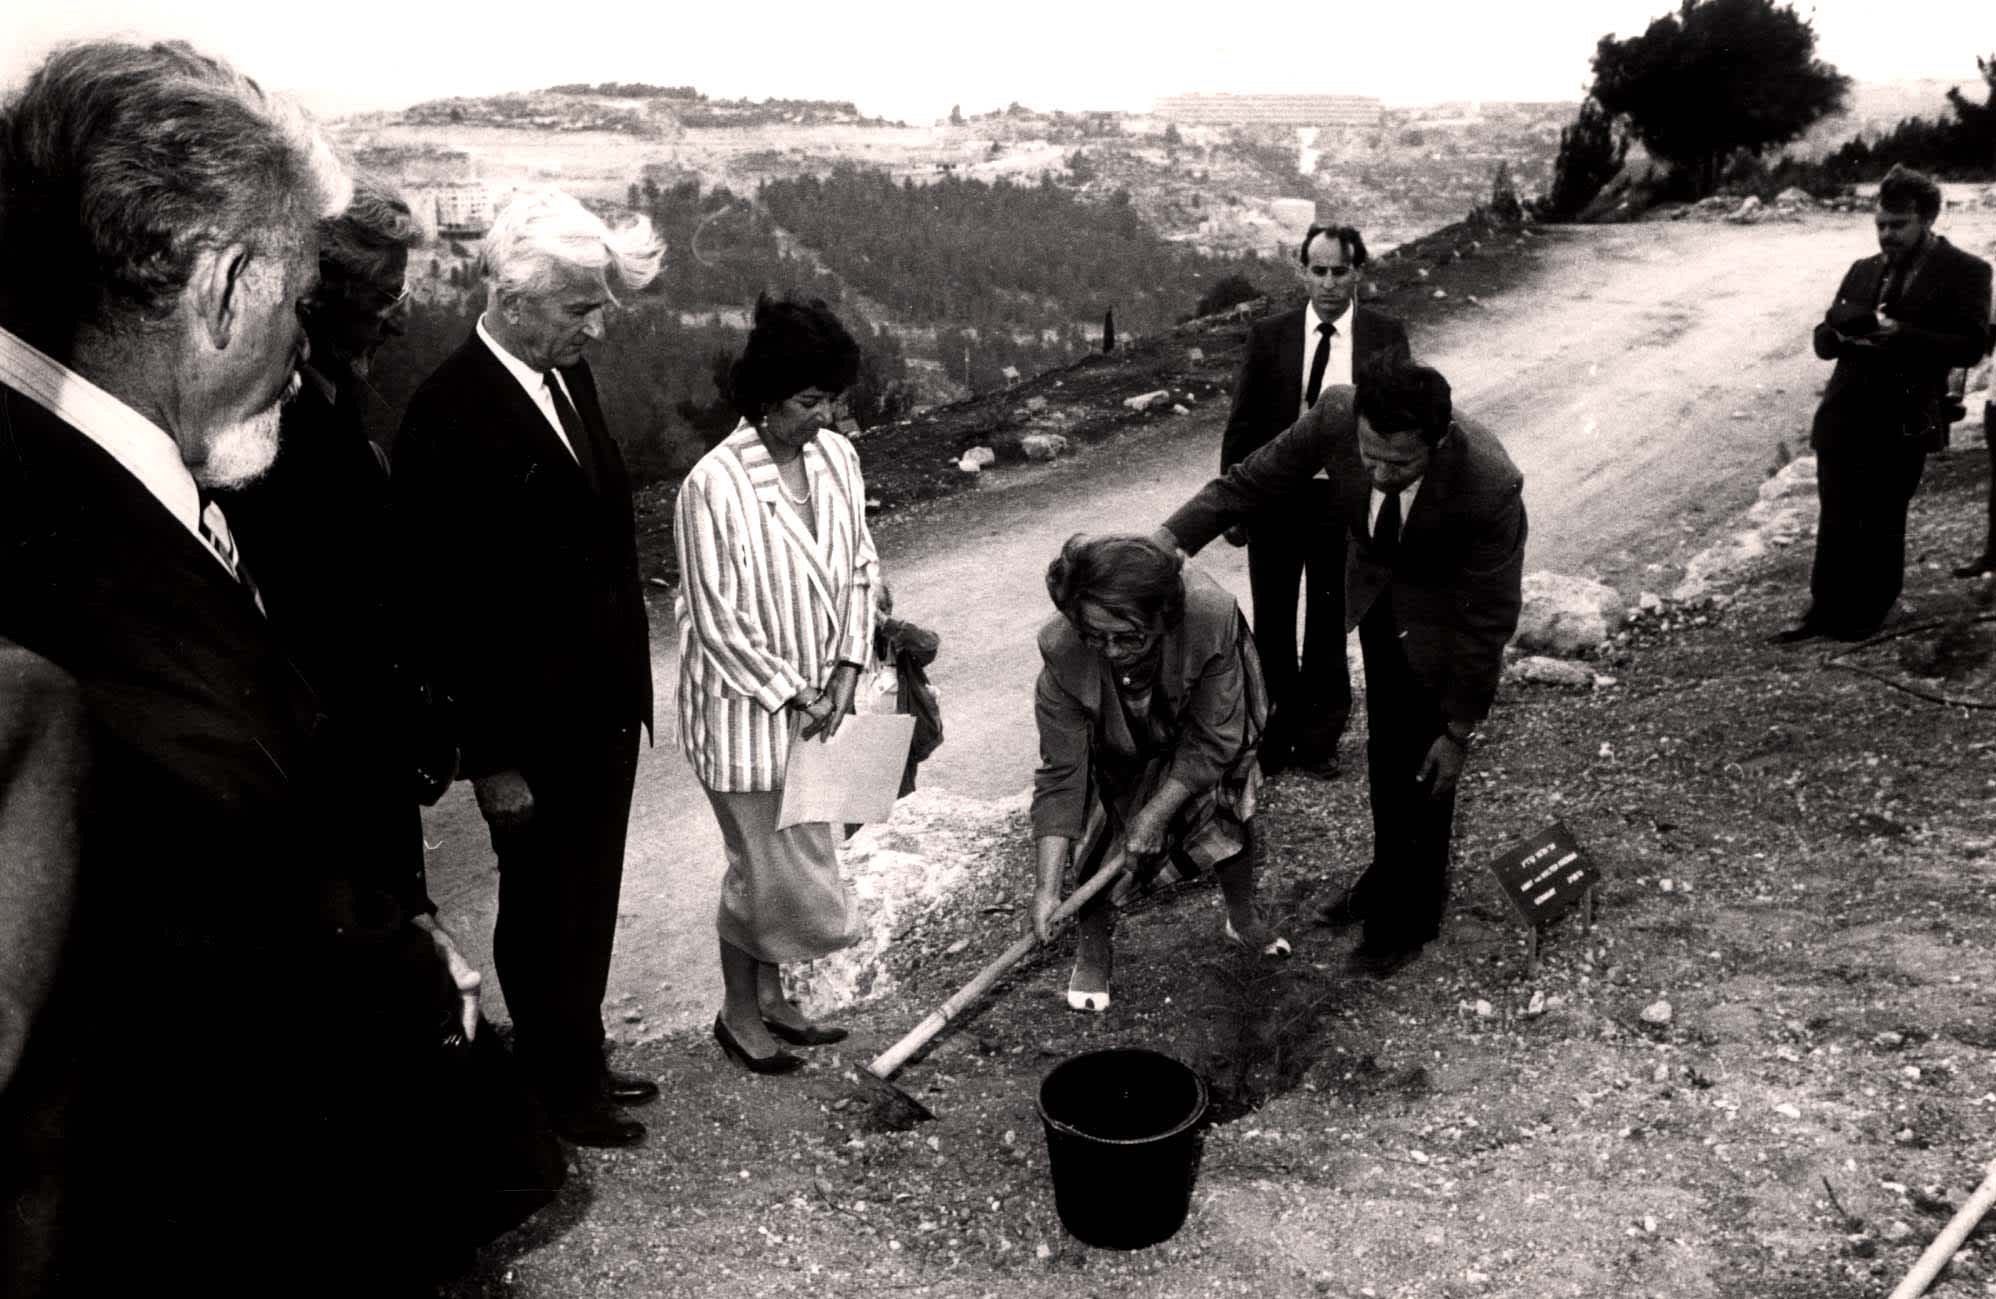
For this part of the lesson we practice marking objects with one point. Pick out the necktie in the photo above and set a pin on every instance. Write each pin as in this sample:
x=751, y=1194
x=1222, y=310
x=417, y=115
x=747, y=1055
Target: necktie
x=1318, y=362
x=215, y=531
x=571, y=424
x=1386, y=530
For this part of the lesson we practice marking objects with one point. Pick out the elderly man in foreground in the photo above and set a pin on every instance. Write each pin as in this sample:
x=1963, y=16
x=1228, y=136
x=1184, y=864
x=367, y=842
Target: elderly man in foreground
x=1436, y=516
x=220, y=1092
x=508, y=482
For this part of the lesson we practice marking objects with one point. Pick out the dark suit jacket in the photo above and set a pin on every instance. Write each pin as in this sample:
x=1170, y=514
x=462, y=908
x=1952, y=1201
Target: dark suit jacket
x=194, y=891
x=1076, y=707
x=537, y=625
x=1455, y=580
x=317, y=534
x=1268, y=394
x=1896, y=389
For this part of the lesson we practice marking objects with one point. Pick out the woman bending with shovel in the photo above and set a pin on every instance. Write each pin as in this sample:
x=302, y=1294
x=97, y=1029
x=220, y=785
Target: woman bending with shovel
x=1150, y=700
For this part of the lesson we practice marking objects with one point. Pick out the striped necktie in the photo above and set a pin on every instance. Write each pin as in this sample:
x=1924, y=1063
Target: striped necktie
x=215, y=531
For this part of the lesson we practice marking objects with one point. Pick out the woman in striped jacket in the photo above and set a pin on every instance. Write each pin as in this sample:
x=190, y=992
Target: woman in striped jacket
x=775, y=614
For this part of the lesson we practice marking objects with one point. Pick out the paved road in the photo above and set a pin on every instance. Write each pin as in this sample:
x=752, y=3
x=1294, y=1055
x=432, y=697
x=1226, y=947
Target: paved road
x=1641, y=379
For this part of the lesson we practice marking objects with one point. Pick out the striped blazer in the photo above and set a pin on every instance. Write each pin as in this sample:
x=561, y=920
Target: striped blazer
x=765, y=607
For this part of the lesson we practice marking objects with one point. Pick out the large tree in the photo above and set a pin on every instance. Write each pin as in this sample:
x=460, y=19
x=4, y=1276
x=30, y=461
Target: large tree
x=1717, y=77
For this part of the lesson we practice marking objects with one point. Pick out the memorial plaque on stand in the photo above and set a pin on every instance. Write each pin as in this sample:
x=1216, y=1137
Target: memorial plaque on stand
x=1545, y=877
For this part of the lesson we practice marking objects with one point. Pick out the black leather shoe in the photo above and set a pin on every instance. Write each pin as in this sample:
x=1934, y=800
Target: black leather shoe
x=781, y=1062
x=1382, y=960
x=809, y=1035
x=629, y=1089
x=600, y=1124
x=1983, y=563
x=1339, y=913
x=1795, y=635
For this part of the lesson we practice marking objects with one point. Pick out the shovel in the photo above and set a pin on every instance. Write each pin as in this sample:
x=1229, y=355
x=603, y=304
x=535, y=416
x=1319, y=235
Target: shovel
x=900, y=1110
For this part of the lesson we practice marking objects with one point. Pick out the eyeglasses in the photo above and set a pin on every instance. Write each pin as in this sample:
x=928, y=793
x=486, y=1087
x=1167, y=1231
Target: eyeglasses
x=392, y=305
x=1119, y=640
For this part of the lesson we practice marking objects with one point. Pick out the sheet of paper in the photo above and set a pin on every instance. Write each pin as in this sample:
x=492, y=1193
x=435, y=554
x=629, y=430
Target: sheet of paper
x=851, y=778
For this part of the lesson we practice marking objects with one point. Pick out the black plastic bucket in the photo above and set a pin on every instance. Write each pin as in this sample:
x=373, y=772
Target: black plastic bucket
x=1123, y=1139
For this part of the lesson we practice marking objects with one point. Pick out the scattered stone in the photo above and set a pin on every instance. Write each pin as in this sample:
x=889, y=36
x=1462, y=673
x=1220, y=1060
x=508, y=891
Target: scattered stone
x=1888, y=1041
x=1649, y=602
x=1537, y=1005
x=1439, y=294
x=1484, y=1010
x=1794, y=196
x=970, y=466
x=1043, y=446
x=1747, y=213
x=1657, y=1012
x=1537, y=669
x=1034, y=405
x=1146, y=400
x=981, y=456
x=1180, y=409
x=1565, y=615
x=1788, y=1110
x=1195, y=354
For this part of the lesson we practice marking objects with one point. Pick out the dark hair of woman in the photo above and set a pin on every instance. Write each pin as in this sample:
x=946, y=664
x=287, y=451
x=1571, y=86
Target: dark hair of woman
x=1128, y=576
x=1395, y=396
x=795, y=343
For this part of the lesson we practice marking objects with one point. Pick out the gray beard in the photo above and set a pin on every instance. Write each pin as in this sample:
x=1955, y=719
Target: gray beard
x=241, y=452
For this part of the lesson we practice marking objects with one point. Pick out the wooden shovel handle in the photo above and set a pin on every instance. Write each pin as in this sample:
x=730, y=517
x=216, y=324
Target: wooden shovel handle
x=1944, y=1246
x=897, y=1055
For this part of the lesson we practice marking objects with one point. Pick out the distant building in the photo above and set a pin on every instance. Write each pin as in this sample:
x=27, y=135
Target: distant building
x=1272, y=110
x=463, y=212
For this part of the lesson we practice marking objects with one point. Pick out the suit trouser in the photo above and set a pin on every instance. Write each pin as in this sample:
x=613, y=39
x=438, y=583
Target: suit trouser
x=559, y=878
x=1403, y=893
x=1989, y=445
x=1860, y=561
x=1302, y=545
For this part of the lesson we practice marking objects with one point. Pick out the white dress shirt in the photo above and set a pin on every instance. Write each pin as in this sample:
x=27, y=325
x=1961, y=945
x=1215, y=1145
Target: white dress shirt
x=1337, y=369
x=535, y=383
x=142, y=448
x=1407, y=495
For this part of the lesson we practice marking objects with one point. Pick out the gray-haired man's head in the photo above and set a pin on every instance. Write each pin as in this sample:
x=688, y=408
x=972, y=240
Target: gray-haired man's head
x=158, y=216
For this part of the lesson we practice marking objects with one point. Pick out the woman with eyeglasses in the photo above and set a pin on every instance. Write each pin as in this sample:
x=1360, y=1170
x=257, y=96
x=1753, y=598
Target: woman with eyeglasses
x=1150, y=699
x=776, y=616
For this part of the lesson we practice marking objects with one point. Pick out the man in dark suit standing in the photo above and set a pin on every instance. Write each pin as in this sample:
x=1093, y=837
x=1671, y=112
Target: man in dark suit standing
x=507, y=480
x=158, y=237
x=1291, y=358
x=328, y=569
x=1901, y=319
x=1436, y=515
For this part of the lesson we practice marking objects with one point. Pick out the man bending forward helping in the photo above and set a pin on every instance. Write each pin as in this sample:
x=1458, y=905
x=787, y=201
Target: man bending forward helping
x=1436, y=516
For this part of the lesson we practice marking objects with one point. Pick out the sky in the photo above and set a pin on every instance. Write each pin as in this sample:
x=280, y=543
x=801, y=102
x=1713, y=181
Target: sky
x=913, y=59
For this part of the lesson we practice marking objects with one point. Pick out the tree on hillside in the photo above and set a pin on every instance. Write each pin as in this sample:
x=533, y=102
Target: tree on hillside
x=1591, y=151
x=1716, y=77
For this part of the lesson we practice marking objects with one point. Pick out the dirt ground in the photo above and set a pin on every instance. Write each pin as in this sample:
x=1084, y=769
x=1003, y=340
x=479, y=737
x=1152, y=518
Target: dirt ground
x=1796, y=858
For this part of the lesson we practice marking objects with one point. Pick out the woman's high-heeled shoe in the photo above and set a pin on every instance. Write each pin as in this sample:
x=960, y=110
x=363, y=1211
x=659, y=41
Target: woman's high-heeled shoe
x=808, y=1035
x=1269, y=944
x=781, y=1062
